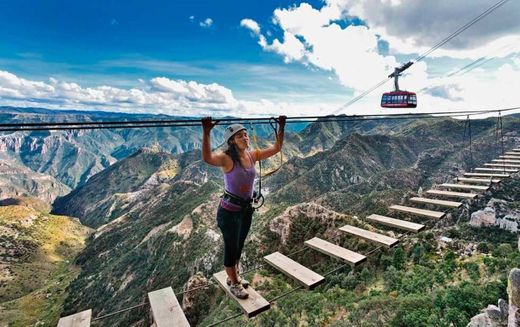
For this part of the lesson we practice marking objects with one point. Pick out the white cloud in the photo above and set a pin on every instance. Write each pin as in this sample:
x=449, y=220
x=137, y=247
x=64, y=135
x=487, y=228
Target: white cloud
x=312, y=37
x=250, y=24
x=157, y=95
x=416, y=26
x=206, y=23
x=160, y=93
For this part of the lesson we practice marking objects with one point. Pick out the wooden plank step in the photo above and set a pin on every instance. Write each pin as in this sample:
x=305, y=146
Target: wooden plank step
x=380, y=239
x=396, y=223
x=294, y=270
x=512, y=153
x=166, y=310
x=486, y=175
x=80, y=319
x=501, y=165
x=465, y=187
x=449, y=194
x=506, y=161
x=477, y=180
x=442, y=203
x=510, y=157
x=336, y=251
x=507, y=170
x=251, y=306
x=418, y=212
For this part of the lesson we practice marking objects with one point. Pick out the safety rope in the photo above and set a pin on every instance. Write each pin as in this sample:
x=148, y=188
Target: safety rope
x=467, y=133
x=195, y=122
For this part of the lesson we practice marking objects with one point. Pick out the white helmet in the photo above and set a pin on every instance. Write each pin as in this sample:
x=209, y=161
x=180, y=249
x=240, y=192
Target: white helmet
x=231, y=130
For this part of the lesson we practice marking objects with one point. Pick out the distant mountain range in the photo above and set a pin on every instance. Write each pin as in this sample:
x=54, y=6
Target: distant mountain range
x=73, y=156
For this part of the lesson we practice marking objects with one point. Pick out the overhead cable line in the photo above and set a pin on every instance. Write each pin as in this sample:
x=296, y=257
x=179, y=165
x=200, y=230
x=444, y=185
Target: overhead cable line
x=14, y=127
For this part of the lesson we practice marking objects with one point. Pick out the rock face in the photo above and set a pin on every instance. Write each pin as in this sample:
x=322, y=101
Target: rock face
x=17, y=180
x=498, y=214
x=283, y=224
x=483, y=218
x=513, y=290
x=492, y=316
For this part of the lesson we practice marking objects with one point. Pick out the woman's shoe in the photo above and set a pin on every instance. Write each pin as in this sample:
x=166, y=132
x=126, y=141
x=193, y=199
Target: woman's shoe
x=239, y=291
x=244, y=282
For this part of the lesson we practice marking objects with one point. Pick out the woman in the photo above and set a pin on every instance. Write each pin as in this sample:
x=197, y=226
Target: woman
x=235, y=211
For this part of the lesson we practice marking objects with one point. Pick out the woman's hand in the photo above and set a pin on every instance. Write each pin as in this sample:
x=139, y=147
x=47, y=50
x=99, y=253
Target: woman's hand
x=207, y=124
x=281, y=122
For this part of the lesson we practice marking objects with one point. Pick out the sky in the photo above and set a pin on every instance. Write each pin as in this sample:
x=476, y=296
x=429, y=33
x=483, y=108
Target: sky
x=255, y=58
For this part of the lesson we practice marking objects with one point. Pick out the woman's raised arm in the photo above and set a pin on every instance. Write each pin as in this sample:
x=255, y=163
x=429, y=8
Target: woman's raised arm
x=214, y=159
x=263, y=154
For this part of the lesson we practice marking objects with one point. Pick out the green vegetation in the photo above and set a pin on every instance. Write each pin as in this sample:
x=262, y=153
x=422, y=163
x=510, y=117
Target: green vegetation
x=39, y=250
x=43, y=305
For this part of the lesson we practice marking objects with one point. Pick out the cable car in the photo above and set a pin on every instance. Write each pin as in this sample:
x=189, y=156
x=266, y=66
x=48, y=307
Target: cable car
x=399, y=98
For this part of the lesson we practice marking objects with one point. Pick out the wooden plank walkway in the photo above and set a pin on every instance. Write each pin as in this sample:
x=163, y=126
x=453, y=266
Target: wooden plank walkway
x=333, y=250
x=465, y=187
x=380, y=239
x=418, y=212
x=501, y=165
x=507, y=170
x=251, y=306
x=506, y=161
x=477, y=180
x=396, y=223
x=80, y=319
x=459, y=195
x=293, y=269
x=517, y=157
x=442, y=203
x=166, y=310
x=486, y=175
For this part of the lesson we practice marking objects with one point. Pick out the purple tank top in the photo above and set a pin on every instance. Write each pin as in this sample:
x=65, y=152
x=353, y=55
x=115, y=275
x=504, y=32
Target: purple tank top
x=239, y=181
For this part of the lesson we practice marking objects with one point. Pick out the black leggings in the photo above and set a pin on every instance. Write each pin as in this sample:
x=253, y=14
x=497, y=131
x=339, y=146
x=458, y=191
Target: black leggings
x=234, y=227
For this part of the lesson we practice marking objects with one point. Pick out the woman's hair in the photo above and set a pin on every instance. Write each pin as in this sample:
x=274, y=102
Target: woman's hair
x=233, y=152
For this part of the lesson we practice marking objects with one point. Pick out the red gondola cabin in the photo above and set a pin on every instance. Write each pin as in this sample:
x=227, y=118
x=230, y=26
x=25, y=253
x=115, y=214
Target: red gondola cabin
x=399, y=99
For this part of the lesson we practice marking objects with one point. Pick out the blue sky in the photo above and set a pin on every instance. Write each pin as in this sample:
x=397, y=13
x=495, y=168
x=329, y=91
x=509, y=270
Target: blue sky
x=118, y=42
x=222, y=57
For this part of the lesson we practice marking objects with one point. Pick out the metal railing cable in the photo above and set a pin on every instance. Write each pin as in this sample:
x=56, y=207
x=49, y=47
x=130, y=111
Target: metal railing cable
x=21, y=127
